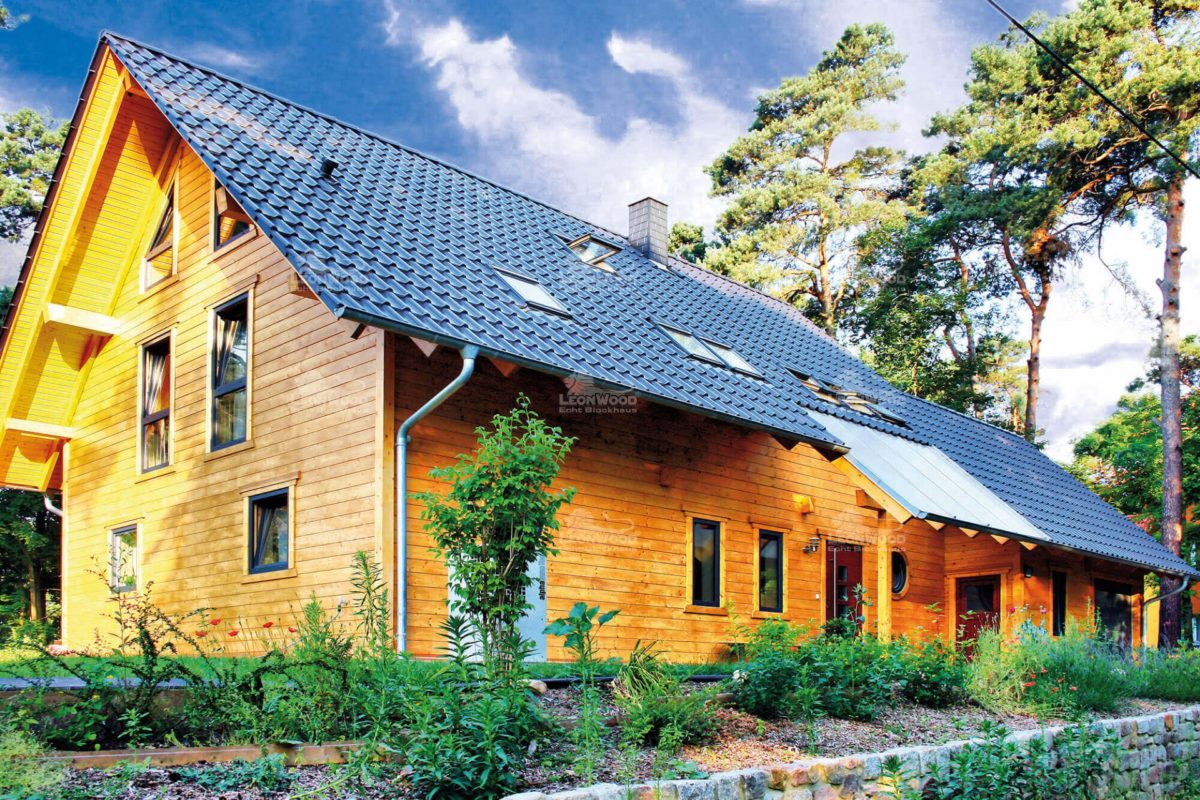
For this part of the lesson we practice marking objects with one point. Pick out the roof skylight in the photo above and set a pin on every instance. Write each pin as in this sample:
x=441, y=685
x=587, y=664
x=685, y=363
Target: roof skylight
x=712, y=352
x=533, y=293
x=592, y=250
x=846, y=398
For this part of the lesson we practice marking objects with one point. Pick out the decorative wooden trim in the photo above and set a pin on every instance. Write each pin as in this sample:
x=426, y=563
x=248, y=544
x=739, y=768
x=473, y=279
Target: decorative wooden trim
x=87, y=321
x=505, y=368
x=45, y=429
x=298, y=287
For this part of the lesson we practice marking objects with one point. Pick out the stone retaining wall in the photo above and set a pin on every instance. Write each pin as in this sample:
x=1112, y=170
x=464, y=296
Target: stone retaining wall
x=1152, y=748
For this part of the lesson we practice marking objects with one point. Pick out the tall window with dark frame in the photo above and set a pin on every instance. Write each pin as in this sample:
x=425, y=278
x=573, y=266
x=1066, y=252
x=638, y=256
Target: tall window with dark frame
x=122, y=559
x=1058, y=602
x=156, y=404
x=230, y=220
x=706, y=563
x=230, y=372
x=269, y=531
x=159, y=261
x=770, y=571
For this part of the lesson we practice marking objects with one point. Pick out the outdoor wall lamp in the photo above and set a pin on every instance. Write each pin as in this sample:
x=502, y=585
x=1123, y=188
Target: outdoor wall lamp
x=1027, y=571
x=814, y=544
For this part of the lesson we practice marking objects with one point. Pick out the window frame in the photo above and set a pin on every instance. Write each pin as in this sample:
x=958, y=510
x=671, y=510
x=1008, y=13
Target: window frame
x=150, y=252
x=903, y=556
x=741, y=364
x=711, y=358
x=781, y=591
x=599, y=263
x=114, y=533
x=280, y=569
x=168, y=414
x=1058, y=601
x=214, y=218
x=718, y=562
x=245, y=294
x=511, y=279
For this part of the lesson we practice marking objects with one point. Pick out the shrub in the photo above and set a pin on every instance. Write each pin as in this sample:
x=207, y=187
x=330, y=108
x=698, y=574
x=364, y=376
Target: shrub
x=856, y=676
x=933, y=673
x=23, y=775
x=1005, y=770
x=1081, y=670
x=656, y=707
x=498, y=518
x=469, y=724
x=1169, y=675
x=773, y=686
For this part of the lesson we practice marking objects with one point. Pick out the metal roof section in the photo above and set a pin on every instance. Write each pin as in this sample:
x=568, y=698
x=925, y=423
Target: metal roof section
x=927, y=483
x=411, y=244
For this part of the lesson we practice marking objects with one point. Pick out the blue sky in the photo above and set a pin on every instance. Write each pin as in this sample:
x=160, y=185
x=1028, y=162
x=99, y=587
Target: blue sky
x=590, y=106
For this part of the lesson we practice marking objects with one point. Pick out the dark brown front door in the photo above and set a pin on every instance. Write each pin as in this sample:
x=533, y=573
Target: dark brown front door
x=978, y=606
x=843, y=573
x=1114, y=605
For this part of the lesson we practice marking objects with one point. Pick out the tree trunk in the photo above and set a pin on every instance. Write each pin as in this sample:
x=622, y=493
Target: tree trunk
x=1033, y=378
x=1172, y=424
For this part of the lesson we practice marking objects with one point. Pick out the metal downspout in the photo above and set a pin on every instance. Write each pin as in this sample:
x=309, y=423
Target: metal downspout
x=49, y=504
x=1158, y=599
x=469, y=354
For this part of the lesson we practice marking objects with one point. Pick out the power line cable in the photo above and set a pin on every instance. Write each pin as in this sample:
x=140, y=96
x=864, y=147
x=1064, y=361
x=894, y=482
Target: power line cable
x=1132, y=120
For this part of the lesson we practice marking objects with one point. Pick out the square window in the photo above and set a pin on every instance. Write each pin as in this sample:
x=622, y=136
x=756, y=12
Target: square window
x=770, y=571
x=270, y=529
x=229, y=219
x=122, y=559
x=533, y=293
x=706, y=563
x=155, y=402
x=229, y=371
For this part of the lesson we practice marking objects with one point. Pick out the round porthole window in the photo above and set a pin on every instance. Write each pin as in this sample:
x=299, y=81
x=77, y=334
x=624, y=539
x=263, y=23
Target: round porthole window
x=899, y=572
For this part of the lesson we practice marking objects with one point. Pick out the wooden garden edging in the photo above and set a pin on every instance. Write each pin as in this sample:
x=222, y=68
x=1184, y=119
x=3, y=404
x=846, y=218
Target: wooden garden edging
x=293, y=755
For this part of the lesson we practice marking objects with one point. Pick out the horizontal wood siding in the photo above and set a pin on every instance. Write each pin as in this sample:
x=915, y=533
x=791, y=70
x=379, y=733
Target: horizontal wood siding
x=313, y=413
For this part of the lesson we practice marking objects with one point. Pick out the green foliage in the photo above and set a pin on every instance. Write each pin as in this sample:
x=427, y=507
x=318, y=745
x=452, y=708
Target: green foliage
x=23, y=775
x=857, y=676
x=1122, y=458
x=934, y=674
x=29, y=147
x=1169, y=675
x=999, y=769
x=655, y=706
x=30, y=545
x=268, y=774
x=470, y=724
x=578, y=630
x=796, y=211
x=498, y=517
x=776, y=685
x=1063, y=676
x=687, y=242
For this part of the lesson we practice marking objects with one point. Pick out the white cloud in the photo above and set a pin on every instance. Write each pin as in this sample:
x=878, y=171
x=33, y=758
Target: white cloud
x=541, y=141
x=222, y=58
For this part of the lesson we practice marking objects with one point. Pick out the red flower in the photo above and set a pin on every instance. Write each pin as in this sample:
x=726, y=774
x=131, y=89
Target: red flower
x=1012, y=609
x=215, y=622
x=268, y=624
x=1054, y=689
x=201, y=634
x=1043, y=670
x=1042, y=609
x=291, y=629
x=1027, y=684
x=233, y=633
x=1074, y=689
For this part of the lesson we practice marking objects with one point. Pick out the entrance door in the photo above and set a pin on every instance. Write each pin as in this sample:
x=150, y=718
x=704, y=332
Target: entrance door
x=533, y=623
x=843, y=573
x=1114, y=605
x=978, y=606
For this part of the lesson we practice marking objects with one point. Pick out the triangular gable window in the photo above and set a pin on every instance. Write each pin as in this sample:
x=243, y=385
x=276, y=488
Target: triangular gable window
x=230, y=220
x=159, y=261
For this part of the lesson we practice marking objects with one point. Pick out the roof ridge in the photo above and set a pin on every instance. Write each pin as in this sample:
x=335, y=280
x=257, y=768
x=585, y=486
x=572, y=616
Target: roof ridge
x=976, y=420
x=109, y=34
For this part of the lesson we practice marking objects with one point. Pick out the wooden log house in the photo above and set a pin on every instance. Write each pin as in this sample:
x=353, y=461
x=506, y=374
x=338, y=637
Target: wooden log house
x=232, y=305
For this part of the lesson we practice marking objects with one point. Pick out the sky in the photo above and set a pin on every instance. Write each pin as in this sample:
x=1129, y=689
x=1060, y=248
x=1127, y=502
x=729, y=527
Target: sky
x=592, y=105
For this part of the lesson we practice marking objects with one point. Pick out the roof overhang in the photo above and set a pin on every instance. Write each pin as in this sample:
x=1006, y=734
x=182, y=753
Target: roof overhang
x=913, y=480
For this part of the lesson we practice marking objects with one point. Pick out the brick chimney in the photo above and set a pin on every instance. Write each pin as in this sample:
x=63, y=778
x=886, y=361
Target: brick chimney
x=648, y=229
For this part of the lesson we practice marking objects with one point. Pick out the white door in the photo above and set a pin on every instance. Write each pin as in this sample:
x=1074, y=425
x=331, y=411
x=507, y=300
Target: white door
x=533, y=624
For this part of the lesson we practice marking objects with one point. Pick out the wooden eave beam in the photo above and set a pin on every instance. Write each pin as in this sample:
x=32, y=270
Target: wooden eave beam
x=868, y=492
x=47, y=430
x=87, y=321
x=505, y=368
